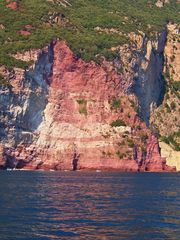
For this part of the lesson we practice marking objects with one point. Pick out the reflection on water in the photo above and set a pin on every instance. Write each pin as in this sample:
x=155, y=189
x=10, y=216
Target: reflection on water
x=76, y=205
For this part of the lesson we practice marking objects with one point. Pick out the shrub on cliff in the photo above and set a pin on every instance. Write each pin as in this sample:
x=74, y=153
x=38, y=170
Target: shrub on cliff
x=82, y=106
x=171, y=140
x=133, y=105
x=144, y=138
x=118, y=123
x=173, y=105
x=3, y=81
x=115, y=104
x=176, y=85
x=120, y=155
x=81, y=101
x=83, y=110
x=130, y=143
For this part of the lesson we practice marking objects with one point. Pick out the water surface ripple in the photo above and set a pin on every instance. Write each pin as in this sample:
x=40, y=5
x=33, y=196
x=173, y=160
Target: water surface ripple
x=79, y=205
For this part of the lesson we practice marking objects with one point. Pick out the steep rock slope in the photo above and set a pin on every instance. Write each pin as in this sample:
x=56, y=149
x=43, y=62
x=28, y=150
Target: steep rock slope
x=166, y=118
x=172, y=156
x=47, y=124
x=152, y=68
x=68, y=114
x=142, y=62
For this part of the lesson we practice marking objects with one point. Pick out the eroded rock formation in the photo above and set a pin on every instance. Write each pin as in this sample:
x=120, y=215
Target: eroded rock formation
x=64, y=113
x=142, y=64
x=166, y=117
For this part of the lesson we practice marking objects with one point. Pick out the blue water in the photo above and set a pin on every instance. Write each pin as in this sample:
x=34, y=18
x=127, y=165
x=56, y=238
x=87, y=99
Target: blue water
x=79, y=205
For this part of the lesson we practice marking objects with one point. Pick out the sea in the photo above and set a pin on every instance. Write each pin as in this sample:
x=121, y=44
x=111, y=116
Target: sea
x=89, y=205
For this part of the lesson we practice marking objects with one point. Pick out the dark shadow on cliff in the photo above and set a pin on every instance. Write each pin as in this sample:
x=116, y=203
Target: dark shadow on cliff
x=76, y=157
x=149, y=84
x=25, y=110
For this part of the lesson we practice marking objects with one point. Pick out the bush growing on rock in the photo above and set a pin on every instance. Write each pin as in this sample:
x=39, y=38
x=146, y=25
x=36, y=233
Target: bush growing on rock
x=120, y=155
x=115, y=104
x=130, y=143
x=118, y=123
x=173, y=105
x=82, y=106
x=144, y=137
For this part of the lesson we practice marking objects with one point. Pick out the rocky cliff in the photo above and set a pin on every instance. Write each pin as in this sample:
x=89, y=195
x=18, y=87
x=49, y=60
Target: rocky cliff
x=142, y=62
x=166, y=118
x=152, y=74
x=172, y=156
x=64, y=113
x=99, y=98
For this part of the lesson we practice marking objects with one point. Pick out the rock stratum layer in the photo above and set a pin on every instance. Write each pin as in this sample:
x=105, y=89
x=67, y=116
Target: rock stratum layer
x=66, y=114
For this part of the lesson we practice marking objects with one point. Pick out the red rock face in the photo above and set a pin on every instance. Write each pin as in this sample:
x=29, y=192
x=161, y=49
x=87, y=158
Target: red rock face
x=24, y=33
x=28, y=26
x=154, y=162
x=76, y=131
x=12, y=4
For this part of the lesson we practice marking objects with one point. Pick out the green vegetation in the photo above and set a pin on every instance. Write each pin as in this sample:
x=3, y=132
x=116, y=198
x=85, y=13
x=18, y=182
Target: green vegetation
x=144, y=138
x=172, y=87
x=176, y=85
x=83, y=110
x=168, y=109
x=120, y=155
x=82, y=106
x=133, y=105
x=79, y=25
x=123, y=155
x=118, y=123
x=173, y=105
x=107, y=154
x=81, y=101
x=115, y=104
x=3, y=81
x=138, y=127
x=172, y=140
x=130, y=143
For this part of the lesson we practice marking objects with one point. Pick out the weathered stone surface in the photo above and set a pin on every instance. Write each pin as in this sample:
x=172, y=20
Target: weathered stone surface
x=172, y=156
x=172, y=52
x=141, y=63
x=154, y=162
x=166, y=117
x=12, y=4
x=61, y=114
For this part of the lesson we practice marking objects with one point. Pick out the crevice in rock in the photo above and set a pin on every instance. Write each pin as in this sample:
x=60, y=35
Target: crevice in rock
x=149, y=83
x=76, y=157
